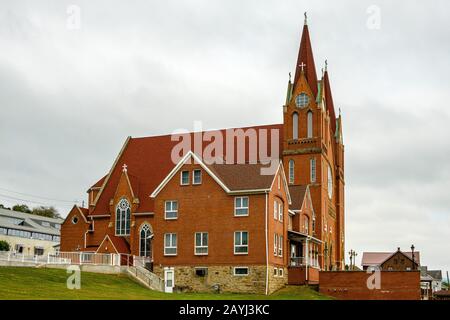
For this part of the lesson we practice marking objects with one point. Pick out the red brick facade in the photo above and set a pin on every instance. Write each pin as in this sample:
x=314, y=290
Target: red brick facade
x=352, y=285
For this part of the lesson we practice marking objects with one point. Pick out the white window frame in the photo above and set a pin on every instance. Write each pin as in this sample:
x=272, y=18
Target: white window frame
x=275, y=209
x=241, y=206
x=280, y=272
x=313, y=169
x=171, y=209
x=280, y=211
x=241, y=275
x=188, y=176
x=291, y=171
x=280, y=245
x=275, y=244
x=275, y=272
x=201, y=245
x=193, y=176
x=240, y=245
x=170, y=245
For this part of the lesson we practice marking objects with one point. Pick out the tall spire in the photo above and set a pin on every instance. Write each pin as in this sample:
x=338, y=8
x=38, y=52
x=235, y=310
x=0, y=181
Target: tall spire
x=329, y=98
x=305, y=60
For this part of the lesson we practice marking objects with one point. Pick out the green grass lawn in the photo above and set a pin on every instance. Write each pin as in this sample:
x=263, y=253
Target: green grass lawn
x=49, y=284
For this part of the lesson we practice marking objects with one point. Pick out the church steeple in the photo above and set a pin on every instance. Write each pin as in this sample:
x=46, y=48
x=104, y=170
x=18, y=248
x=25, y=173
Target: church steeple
x=329, y=99
x=305, y=61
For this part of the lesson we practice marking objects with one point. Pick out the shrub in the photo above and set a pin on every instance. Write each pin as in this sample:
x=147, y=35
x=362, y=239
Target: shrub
x=4, y=246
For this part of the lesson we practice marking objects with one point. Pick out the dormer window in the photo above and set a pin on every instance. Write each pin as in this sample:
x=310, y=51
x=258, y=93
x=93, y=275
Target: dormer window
x=302, y=100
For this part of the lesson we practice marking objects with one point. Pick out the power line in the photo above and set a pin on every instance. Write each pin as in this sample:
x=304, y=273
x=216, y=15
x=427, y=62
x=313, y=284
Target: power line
x=38, y=197
x=26, y=200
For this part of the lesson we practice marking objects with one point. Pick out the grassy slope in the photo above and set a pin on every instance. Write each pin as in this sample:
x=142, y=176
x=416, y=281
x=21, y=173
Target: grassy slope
x=31, y=283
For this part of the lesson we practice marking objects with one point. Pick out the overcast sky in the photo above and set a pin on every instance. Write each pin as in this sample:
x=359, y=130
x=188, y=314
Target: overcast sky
x=70, y=96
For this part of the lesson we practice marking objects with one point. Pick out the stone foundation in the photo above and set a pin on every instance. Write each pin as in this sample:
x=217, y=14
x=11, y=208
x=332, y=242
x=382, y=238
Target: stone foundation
x=277, y=282
x=218, y=279
x=222, y=279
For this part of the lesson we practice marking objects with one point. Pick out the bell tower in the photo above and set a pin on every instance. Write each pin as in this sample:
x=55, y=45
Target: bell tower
x=313, y=151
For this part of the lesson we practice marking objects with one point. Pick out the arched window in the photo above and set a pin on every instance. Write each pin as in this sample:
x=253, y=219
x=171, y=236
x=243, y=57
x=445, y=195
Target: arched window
x=295, y=126
x=123, y=214
x=310, y=124
x=145, y=241
x=291, y=171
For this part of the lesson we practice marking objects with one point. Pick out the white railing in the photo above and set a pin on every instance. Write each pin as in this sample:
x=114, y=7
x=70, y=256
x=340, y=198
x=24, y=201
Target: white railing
x=141, y=261
x=20, y=257
x=303, y=261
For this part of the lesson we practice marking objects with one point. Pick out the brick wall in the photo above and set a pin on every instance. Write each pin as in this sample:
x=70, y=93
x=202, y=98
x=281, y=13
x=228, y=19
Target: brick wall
x=353, y=285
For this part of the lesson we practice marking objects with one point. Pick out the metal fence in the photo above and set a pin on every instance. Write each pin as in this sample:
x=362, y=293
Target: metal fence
x=20, y=257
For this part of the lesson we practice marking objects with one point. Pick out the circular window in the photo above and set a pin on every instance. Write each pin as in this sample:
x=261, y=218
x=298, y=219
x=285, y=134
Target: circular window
x=302, y=100
x=75, y=220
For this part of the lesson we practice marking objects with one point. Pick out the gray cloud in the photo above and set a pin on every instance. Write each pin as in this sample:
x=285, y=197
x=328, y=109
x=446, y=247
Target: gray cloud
x=69, y=98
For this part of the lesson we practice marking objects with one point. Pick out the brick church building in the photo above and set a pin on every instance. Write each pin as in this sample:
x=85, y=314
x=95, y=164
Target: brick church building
x=222, y=220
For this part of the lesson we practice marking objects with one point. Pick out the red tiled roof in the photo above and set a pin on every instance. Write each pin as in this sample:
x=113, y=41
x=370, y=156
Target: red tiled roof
x=297, y=196
x=377, y=258
x=120, y=244
x=243, y=176
x=149, y=161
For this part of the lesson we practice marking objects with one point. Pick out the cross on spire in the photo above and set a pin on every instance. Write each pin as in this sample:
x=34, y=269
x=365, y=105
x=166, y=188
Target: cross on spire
x=124, y=167
x=306, y=18
x=302, y=65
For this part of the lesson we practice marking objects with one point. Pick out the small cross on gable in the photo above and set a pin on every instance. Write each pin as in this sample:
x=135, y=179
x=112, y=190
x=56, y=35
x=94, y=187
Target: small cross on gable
x=124, y=167
x=302, y=65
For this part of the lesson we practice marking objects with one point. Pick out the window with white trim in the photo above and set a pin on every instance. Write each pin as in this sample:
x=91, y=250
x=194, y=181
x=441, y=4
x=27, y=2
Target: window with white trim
x=275, y=244
x=170, y=244
x=184, y=179
x=171, y=209
x=275, y=209
x=197, y=176
x=280, y=246
x=312, y=164
x=201, y=243
x=291, y=171
x=280, y=211
x=241, y=242
x=241, y=206
x=280, y=272
x=275, y=272
x=123, y=218
x=240, y=271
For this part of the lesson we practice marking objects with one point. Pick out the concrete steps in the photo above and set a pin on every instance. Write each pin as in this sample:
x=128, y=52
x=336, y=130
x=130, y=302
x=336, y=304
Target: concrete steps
x=146, y=278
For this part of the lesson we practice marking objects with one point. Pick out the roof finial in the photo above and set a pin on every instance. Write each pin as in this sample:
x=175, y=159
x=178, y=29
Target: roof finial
x=124, y=167
x=326, y=65
x=339, y=112
x=306, y=18
x=290, y=77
